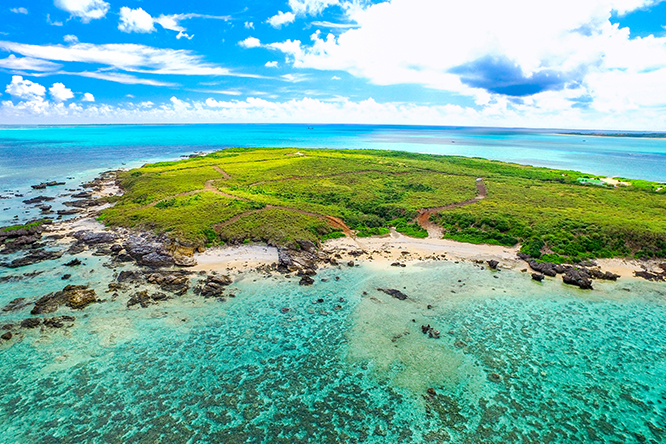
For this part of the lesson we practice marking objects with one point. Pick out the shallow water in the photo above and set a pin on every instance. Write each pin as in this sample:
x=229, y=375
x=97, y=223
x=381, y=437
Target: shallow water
x=573, y=366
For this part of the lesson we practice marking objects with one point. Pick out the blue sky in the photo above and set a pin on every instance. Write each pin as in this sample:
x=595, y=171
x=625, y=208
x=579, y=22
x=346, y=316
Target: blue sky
x=567, y=64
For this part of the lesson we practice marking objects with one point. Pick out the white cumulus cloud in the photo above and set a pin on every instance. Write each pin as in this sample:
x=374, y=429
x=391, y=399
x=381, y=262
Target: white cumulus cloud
x=20, y=10
x=69, y=38
x=86, y=10
x=250, y=42
x=87, y=97
x=489, y=50
x=135, y=20
x=249, y=25
x=281, y=18
x=25, y=89
x=271, y=64
x=60, y=93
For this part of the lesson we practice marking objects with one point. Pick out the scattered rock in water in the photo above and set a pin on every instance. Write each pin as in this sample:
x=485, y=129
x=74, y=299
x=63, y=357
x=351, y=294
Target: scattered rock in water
x=494, y=377
x=33, y=258
x=38, y=199
x=76, y=297
x=175, y=282
x=284, y=310
x=398, y=264
x=73, y=263
x=66, y=276
x=58, y=321
x=493, y=264
x=537, y=277
x=16, y=304
x=213, y=286
x=393, y=292
x=431, y=332
x=31, y=323
x=459, y=344
x=350, y=263
x=7, y=336
x=431, y=391
x=306, y=280
x=140, y=298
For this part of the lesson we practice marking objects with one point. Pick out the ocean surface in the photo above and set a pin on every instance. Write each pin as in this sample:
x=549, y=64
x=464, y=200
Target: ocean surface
x=518, y=361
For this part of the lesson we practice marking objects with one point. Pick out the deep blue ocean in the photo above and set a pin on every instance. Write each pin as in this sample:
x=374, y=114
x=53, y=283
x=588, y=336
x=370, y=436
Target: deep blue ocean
x=572, y=366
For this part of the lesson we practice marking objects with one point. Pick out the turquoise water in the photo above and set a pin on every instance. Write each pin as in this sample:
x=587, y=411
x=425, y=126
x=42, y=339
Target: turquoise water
x=573, y=366
x=29, y=155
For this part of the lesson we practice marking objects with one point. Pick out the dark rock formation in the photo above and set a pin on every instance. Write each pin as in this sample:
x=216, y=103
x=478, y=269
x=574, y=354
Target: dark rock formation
x=31, y=323
x=493, y=264
x=547, y=268
x=38, y=199
x=577, y=277
x=58, y=321
x=33, y=258
x=77, y=297
x=537, y=277
x=306, y=280
x=175, y=282
x=393, y=292
x=650, y=276
x=68, y=212
x=150, y=254
x=431, y=332
x=73, y=263
x=95, y=237
x=213, y=286
x=7, y=336
x=398, y=264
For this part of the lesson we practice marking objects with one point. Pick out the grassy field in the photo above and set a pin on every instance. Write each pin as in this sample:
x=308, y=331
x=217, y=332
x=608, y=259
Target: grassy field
x=282, y=195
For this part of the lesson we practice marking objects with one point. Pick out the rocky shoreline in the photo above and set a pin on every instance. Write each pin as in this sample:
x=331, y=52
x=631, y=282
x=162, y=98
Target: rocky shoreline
x=159, y=268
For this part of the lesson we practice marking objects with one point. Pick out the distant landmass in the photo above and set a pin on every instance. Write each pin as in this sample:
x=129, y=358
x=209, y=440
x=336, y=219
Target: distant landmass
x=600, y=134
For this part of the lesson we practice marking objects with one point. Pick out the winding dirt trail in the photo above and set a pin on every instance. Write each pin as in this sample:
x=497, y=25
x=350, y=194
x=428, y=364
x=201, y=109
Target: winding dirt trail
x=222, y=172
x=434, y=230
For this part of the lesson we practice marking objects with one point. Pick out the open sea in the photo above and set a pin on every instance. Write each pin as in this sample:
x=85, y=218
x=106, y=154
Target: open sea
x=518, y=361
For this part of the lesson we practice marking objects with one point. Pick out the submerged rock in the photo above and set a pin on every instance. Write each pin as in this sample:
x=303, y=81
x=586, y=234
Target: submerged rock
x=393, y=292
x=16, y=304
x=7, y=336
x=493, y=264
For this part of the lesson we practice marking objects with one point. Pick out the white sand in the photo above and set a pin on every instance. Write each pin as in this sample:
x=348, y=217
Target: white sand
x=243, y=257
x=397, y=247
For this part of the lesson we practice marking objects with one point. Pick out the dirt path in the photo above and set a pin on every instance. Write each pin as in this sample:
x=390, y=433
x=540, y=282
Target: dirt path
x=208, y=186
x=335, y=222
x=434, y=230
x=222, y=172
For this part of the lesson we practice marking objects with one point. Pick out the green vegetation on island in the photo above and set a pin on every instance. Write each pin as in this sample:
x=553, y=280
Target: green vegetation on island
x=281, y=195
